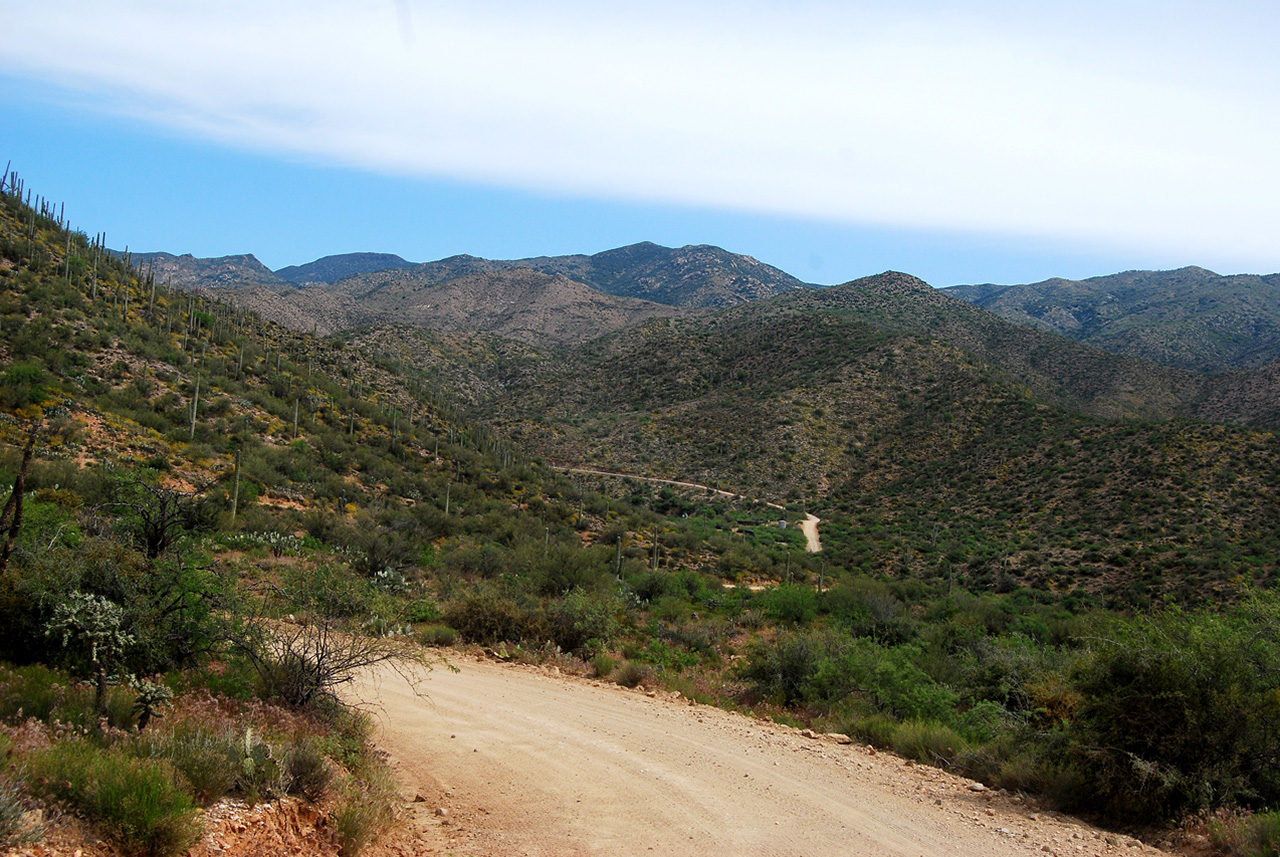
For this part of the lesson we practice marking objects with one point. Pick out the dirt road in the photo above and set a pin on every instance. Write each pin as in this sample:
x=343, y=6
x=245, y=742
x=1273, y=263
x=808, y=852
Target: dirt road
x=809, y=526
x=514, y=760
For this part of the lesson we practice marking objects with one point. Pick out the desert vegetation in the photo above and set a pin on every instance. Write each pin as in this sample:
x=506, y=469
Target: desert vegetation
x=214, y=522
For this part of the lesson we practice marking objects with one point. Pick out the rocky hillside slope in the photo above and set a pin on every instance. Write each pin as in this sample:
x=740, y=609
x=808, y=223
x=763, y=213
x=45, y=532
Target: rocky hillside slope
x=1188, y=318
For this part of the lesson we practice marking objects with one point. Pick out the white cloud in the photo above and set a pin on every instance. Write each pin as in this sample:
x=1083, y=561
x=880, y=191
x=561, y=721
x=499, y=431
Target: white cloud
x=1129, y=122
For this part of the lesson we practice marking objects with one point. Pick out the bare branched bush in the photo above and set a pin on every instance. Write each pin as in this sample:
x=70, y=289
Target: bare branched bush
x=304, y=663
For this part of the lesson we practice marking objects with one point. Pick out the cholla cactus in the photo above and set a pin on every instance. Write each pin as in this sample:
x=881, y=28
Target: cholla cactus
x=94, y=622
x=151, y=699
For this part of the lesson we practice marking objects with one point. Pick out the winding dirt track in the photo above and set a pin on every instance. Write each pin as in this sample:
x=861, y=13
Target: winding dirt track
x=809, y=526
x=510, y=760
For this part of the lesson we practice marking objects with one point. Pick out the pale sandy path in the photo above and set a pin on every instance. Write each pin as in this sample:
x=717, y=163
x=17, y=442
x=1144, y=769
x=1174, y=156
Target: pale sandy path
x=809, y=526
x=530, y=763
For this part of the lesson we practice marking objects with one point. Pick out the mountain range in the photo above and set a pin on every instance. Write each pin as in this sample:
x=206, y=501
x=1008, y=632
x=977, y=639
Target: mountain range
x=1190, y=318
x=1186, y=343
x=809, y=391
x=548, y=299
x=999, y=505
x=932, y=436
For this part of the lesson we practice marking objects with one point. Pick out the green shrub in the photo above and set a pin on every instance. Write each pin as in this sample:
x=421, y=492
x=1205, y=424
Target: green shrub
x=437, y=635
x=875, y=729
x=332, y=593
x=288, y=677
x=49, y=695
x=869, y=609
x=137, y=800
x=487, y=617
x=1262, y=835
x=927, y=742
x=581, y=622
x=1180, y=713
x=781, y=671
x=422, y=609
x=307, y=770
x=631, y=674
x=887, y=678
x=234, y=678
x=1245, y=835
x=671, y=608
x=791, y=603
x=37, y=691
x=207, y=759
x=603, y=665
x=368, y=809
x=14, y=828
x=1011, y=761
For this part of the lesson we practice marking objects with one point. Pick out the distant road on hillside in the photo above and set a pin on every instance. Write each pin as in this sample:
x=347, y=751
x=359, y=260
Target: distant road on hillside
x=809, y=526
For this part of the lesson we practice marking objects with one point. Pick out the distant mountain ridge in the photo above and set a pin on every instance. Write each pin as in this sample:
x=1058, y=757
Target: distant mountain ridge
x=331, y=269
x=1054, y=368
x=219, y=272
x=543, y=300
x=695, y=276
x=1189, y=318
x=520, y=303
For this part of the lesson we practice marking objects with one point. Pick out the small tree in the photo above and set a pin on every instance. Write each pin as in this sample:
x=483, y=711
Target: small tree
x=93, y=622
x=159, y=516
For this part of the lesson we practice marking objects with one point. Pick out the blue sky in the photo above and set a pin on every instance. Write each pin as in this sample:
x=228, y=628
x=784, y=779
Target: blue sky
x=962, y=142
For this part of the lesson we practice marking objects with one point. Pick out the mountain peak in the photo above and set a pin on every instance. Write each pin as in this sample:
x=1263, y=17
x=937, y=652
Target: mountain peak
x=330, y=269
x=893, y=282
x=188, y=271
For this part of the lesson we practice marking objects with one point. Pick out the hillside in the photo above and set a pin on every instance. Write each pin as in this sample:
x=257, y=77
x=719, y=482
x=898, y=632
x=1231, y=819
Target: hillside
x=307, y=309
x=948, y=453
x=558, y=299
x=838, y=395
x=518, y=303
x=1188, y=318
x=1053, y=368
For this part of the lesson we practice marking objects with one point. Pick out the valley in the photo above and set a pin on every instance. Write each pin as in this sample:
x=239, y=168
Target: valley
x=1043, y=566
